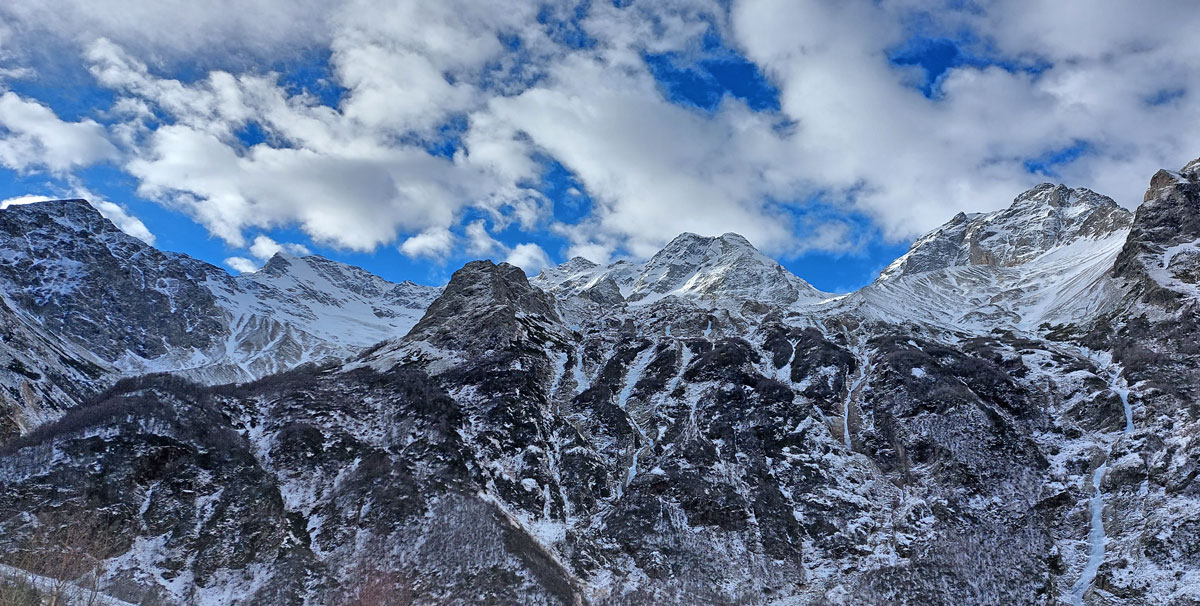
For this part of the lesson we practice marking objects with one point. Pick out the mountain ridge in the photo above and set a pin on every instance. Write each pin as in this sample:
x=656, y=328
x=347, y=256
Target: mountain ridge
x=972, y=433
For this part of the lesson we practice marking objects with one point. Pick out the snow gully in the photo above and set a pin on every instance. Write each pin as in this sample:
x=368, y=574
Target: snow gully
x=1096, y=536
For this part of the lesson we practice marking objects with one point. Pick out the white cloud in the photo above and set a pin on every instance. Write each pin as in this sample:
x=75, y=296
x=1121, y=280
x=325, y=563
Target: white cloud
x=25, y=199
x=479, y=242
x=344, y=181
x=529, y=257
x=264, y=248
x=913, y=161
x=177, y=29
x=850, y=128
x=352, y=201
x=433, y=244
x=655, y=169
x=33, y=136
x=241, y=265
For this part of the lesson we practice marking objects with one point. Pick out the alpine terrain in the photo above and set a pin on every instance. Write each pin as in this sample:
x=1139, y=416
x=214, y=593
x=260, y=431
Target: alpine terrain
x=1009, y=414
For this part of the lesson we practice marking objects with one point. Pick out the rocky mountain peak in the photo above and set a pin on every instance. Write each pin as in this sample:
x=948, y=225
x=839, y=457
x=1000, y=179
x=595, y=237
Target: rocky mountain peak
x=314, y=276
x=725, y=266
x=277, y=265
x=483, y=307
x=59, y=208
x=1192, y=169
x=1038, y=221
x=60, y=217
x=103, y=296
x=707, y=268
x=1162, y=253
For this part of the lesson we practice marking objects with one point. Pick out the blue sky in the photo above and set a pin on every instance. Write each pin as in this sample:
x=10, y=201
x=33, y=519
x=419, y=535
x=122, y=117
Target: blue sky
x=410, y=137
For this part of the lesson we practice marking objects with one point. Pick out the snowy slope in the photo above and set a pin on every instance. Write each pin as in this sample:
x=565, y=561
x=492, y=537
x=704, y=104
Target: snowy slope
x=100, y=299
x=1047, y=258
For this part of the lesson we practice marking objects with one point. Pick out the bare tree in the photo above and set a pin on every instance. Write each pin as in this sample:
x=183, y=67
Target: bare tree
x=63, y=560
x=374, y=586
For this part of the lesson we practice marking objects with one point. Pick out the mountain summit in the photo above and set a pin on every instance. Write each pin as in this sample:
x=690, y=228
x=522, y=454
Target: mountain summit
x=1038, y=221
x=712, y=269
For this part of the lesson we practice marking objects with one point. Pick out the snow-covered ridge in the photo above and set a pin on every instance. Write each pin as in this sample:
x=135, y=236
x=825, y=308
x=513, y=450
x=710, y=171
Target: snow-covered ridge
x=699, y=268
x=1039, y=220
x=133, y=309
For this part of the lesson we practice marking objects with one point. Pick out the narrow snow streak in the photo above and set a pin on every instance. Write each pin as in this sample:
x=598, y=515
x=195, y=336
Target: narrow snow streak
x=640, y=363
x=581, y=380
x=854, y=387
x=1096, y=536
x=1096, y=539
x=635, y=374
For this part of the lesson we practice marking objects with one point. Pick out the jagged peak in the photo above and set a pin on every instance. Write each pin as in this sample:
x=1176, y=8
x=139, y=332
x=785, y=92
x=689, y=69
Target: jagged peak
x=276, y=265
x=53, y=205
x=1039, y=219
x=690, y=241
x=75, y=213
x=1058, y=196
x=485, y=282
x=720, y=267
x=1191, y=168
x=481, y=309
x=1159, y=252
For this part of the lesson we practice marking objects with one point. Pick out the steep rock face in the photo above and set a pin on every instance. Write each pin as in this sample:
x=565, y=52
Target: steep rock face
x=1017, y=432
x=1163, y=251
x=1150, y=485
x=64, y=264
x=39, y=376
x=492, y=300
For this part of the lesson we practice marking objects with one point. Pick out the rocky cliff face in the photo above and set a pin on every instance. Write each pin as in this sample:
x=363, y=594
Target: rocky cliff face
x=1006, y=416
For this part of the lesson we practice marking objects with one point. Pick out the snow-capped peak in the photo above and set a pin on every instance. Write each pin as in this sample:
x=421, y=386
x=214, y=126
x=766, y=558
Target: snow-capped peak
x=1039, y=220
x=136, y=309
x=708, y=268
x=725, y=266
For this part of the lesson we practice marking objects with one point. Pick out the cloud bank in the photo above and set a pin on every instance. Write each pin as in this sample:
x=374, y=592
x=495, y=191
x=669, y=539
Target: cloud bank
x=433, y=127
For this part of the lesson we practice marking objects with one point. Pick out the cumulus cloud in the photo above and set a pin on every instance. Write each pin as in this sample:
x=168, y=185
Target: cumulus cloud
x=25, y=199
x=241, y=265
x=339, y=177
x=509, y=86
x=264, y=248
x=909, y=162
x=480, y=243
x=33, y=136
x=529, y=257
x=433, y=244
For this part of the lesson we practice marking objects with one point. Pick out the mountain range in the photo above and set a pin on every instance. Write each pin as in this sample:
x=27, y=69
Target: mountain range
x=1007, y=415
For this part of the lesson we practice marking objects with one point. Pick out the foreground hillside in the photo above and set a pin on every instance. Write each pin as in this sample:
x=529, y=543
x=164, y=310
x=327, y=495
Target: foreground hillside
x=1008, y=415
